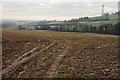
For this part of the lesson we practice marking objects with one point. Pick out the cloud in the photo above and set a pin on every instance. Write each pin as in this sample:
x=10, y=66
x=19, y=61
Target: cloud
x=54, y=10
x=60, y=1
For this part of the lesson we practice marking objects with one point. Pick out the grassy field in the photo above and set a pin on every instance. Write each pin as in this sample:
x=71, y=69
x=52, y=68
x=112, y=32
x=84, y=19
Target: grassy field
x=113, y=19
x=98, y=23
x=73, y=55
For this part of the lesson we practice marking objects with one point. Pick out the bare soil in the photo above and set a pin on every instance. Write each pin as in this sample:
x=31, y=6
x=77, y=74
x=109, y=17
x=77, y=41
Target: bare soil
x=34, y=54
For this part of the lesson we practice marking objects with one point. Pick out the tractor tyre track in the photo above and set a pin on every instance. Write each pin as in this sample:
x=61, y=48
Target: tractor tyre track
x=22, y=59
x=52, y=72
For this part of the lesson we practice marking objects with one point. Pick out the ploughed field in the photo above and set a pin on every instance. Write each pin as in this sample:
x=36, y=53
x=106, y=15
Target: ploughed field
x=47, y=54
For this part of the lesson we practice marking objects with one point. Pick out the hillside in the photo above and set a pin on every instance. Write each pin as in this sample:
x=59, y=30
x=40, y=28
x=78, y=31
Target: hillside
x=113, y=19
x=94, y=21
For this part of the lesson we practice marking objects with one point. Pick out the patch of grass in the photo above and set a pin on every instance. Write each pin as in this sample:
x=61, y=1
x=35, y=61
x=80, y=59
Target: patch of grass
x=60, y=77
x=70, y=75
x=91, y=75
x=6, y=76
x=105, y=51
x=50, y=62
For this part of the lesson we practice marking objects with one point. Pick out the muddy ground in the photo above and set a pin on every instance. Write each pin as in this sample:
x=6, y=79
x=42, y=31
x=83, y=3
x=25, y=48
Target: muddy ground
x=73, y=55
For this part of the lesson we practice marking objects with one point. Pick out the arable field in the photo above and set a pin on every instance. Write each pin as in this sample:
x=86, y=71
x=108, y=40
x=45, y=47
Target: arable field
x=47, y=54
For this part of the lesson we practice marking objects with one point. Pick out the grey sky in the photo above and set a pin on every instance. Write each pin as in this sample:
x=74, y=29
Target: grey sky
x=55, y=9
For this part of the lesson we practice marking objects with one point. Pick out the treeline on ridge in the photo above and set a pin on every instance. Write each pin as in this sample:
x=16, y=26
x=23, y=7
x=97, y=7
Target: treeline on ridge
x=82, y=27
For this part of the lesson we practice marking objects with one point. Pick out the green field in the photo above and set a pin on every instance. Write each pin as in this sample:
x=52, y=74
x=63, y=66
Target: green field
x=98, y=23
x=113, y=19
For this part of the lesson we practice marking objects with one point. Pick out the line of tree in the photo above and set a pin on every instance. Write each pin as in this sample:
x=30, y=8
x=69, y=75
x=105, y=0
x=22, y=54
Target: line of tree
x=80, y=27
x=105, y=18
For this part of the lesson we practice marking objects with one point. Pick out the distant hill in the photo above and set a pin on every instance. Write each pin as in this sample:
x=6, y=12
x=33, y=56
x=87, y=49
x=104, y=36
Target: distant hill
x=110, y=17
x=94, y=21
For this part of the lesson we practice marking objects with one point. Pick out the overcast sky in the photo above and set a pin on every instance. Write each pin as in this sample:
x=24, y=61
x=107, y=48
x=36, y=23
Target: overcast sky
x=54, y=9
